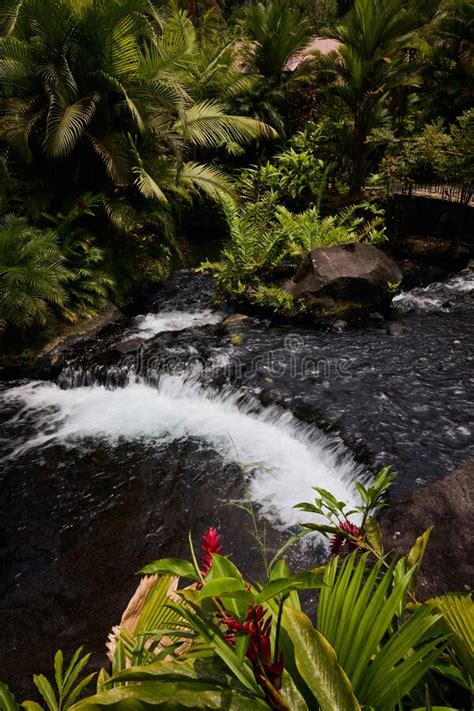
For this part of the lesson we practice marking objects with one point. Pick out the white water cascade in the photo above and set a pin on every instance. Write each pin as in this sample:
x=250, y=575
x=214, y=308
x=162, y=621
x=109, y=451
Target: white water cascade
x=151, y=324
x=281, y=457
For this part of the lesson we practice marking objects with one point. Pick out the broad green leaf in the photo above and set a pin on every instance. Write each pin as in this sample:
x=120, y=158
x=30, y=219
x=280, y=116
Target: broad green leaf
x=214, y=588
x=7, y=700
x=171, y=566
x=241, y=646
x=223, y=568
x=183, y=668
x=238, y=602
x=179, y=694
x=300, y=581
x=415, y=556
x=290, y=693
x=317, y=664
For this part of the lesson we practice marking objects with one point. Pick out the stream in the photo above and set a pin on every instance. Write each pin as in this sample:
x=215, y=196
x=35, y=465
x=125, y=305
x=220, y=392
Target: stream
x=152, y=427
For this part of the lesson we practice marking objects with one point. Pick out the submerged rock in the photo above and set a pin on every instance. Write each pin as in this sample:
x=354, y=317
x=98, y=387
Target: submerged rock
x=447, y=505
x=394, y=328
x=234, y=323
x=355, y=276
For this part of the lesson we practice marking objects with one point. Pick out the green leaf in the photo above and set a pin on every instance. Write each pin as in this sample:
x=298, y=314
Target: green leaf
x=58, y=668
x=46, y=691
x=75, y=667
x=291, y=694
x=241, y=646
x=317, y=664
x=216, y=587
x=223, y=568
x=280, y=586
x=102, y=679
x=208, y=630
x=77, y=691
x=454, y=674
x=373, y=535
x=30, y=706
x=458, y=619
x=7, y=700
x=171, y=566
x=176, y=694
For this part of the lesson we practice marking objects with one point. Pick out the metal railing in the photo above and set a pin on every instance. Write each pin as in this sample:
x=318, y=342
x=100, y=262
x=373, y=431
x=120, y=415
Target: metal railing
x=461, y=193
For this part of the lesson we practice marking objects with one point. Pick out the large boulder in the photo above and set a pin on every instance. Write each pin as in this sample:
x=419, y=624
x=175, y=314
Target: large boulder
x=356, y=275
x=447, y=505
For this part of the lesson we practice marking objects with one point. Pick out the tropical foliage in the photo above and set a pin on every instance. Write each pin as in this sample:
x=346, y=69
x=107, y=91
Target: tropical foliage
x=264, y=235
x=118, y=101
x=116, y=117
x=434, y=154
x=33, y=274
x=200, y=635
x=371, y=64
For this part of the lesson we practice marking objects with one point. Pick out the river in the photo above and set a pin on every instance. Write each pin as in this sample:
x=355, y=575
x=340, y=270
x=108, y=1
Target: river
x=155, y=425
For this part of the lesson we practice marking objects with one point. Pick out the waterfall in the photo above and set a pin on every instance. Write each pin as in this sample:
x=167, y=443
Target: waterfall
x=281, y=458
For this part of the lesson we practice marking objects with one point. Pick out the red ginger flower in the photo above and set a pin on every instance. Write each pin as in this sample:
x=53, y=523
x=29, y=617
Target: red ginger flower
x=339, y=544
x=259, y=651
x=211, y=543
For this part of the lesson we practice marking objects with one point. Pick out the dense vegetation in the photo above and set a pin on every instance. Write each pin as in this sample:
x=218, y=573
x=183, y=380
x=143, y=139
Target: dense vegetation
x=220, y=641
x=118, y=116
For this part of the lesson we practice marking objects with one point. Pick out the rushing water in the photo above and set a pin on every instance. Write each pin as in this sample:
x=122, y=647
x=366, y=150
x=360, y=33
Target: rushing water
x=152, y=427
x=286, y=458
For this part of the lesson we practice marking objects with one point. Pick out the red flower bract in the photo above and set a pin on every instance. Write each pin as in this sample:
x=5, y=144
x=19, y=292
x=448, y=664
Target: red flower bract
x=259, y=651
x=339, y=544
x=211, y=543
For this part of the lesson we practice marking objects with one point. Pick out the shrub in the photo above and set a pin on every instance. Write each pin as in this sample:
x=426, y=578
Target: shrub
x=265, y=236
x=33, y=274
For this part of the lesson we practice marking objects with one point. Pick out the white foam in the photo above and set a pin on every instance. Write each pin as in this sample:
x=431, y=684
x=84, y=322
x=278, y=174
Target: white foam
x=435, y=295
x=151, y=324
x=283, y=458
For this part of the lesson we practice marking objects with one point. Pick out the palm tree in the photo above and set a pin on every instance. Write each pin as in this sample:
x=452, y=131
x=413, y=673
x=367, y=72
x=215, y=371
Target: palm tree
x=101, y=94
x=371, y=64
x=32, y=274
x=273, y=32
x=277, y=31
x=449, y=74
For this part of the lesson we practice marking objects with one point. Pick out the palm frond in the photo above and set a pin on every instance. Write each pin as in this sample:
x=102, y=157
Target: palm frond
x=67, y=125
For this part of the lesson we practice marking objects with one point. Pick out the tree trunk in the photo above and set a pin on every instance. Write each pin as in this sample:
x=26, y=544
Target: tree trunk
x=360, y=153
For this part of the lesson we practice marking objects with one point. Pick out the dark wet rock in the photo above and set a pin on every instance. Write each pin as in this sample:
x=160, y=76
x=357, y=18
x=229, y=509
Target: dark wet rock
x=355, y=276
x=376, y=316
x=339, y=325
x=234, y=323
x=129, y=346
x=326, y=303
x=448, y=506
x=55, y=354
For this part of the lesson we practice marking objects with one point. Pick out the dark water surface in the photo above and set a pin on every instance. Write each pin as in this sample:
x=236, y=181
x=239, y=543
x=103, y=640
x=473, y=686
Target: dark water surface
x=102, y=473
